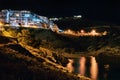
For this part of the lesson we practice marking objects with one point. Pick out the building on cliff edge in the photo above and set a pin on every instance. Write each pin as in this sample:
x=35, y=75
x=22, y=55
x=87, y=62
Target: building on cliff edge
x=24, y=18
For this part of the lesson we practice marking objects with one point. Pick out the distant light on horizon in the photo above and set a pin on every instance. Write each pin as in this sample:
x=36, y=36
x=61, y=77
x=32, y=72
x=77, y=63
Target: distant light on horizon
x=93, y=32
x=78, y=16
x=54, y=19
x=83, y=33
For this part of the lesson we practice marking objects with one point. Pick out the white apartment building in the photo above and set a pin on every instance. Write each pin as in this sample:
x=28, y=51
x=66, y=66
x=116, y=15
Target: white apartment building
x=24, y=19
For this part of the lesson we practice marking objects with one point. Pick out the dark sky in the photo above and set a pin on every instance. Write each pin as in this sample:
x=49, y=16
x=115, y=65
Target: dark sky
x=105, y=10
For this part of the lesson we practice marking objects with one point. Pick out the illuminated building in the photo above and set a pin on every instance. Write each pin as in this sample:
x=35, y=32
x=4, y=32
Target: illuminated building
x=24, y=18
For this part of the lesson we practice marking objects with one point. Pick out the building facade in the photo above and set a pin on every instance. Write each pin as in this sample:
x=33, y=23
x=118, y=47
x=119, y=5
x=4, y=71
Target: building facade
x=24, y=19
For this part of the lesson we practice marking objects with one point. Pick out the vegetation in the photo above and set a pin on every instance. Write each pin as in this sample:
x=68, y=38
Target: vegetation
x=35, y=54
x=44, y=49
x=20, y=63
x=65, y=44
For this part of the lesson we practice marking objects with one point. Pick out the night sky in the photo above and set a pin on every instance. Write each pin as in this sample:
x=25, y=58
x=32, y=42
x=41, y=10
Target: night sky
x=100, y=10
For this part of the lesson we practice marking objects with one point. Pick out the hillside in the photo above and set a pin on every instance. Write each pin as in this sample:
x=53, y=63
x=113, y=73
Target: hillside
x=27, y=46
x=40, y=38
x=18, y=63
x=82, y=44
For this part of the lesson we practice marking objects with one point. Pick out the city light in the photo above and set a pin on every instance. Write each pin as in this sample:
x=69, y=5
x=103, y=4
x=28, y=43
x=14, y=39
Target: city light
x=82, y=32
x=94, y=33
x=54, y=19
x=1, y=24
x=78, y=16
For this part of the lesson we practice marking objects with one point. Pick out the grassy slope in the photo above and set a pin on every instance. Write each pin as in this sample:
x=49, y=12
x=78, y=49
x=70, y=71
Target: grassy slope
x=11, y=55
x=17, y=63
x=70, y=44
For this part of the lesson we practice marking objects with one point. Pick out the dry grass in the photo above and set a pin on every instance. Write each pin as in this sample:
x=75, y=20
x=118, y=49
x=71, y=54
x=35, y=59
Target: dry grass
x=17, y=65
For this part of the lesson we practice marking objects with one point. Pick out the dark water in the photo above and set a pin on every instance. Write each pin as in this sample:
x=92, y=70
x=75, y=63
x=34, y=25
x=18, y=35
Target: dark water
x=91, y=68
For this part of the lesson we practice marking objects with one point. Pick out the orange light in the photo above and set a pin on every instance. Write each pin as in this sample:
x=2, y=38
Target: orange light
x=1, y=24
x=93, y=31
x=82, y=68
x=83, y=33
x=94, y=68
x=70, y=65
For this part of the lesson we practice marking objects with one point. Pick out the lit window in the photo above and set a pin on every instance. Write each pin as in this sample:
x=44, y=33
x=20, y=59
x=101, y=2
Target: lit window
x=17, y=15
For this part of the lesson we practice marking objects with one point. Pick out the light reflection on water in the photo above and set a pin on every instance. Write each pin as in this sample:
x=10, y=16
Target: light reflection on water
x=82, y=67
x=93, y=68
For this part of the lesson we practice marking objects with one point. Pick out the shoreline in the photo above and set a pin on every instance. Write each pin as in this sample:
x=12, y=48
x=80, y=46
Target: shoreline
x=76, y=56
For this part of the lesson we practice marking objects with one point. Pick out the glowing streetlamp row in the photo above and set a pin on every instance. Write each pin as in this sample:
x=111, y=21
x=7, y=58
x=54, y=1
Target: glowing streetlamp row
x=84, y=33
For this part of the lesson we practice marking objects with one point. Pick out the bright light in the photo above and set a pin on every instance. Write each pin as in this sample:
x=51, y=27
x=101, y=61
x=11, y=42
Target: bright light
x=17, y=15
x=78, y=16
x=94, y=68
x=82, y=68
x=84, y=33
x=1, y=24
x=70, y=65
x=105, y=33
x=54, y=19
x=93, y=31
